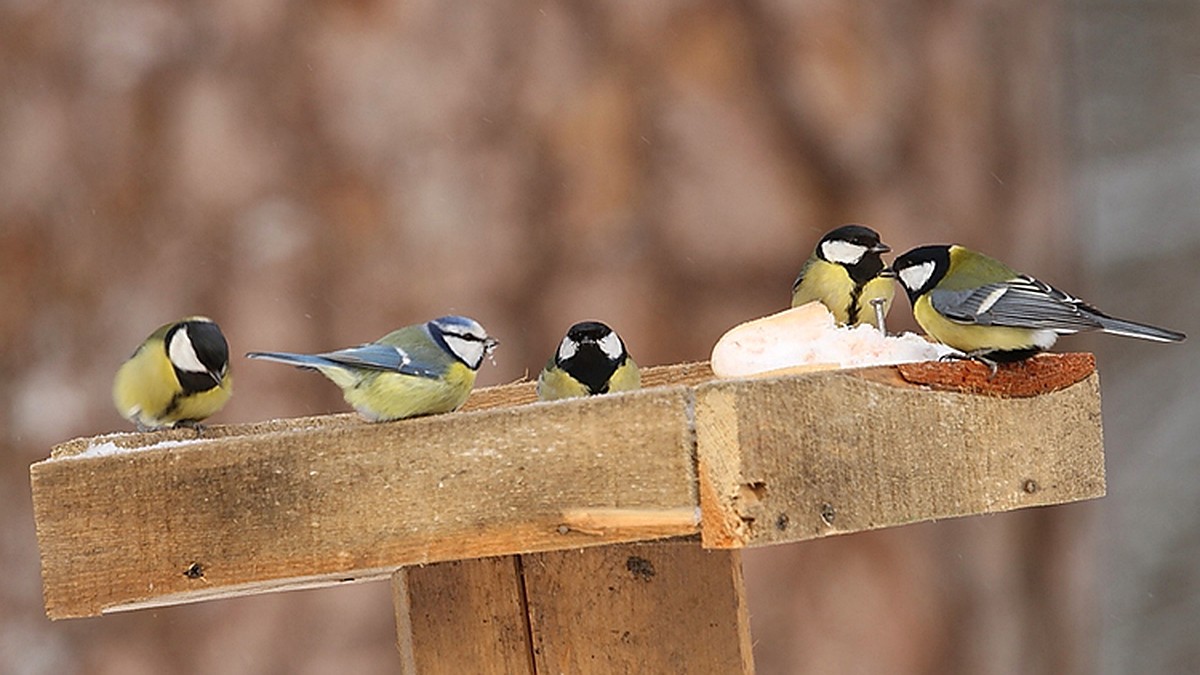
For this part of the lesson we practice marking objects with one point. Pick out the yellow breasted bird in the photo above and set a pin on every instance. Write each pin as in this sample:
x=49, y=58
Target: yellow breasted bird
x=984, y=308
x=177, y=377
x=422, y=369
x=591, y=359
x=845, y=272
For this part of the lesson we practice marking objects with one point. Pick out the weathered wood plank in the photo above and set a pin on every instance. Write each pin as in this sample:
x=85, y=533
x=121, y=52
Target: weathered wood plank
x=828, y=453
x=652, y=607
x=316, y=501
x=313, y=506
x=463, y=616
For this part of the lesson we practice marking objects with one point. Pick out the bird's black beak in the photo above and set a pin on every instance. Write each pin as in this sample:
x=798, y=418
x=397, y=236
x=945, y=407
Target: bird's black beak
x=888, y=273
x=880, y=248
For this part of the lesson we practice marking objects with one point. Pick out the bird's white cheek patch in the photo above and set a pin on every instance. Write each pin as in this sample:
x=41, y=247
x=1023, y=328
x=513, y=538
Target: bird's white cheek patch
x=470, y=351
x=843, y=252
x=917, y=276
x=567, y=349
x=611, y=346
x=183, y=354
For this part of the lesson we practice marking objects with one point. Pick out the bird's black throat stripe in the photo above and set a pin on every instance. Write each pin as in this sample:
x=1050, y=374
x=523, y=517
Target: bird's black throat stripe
x=855, y=296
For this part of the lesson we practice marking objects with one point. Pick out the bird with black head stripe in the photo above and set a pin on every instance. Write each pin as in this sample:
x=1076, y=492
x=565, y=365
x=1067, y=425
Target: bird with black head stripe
x=590, y=360
x=845, y=273
x=992, y=313
x=178, y=376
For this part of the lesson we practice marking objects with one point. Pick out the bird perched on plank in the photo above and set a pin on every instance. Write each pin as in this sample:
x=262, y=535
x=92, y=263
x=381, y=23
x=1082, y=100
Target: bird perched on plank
x=590, y=360
x=422, y=369
x=984, y=308
x=845, y=272
x=177, y=377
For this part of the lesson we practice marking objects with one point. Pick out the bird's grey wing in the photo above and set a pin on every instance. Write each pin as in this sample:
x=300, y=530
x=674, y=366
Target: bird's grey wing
x=376, y=356
x=1021, y=302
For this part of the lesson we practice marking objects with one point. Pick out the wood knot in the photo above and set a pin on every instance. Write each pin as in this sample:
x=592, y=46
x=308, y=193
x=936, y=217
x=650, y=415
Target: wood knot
x=641, y=568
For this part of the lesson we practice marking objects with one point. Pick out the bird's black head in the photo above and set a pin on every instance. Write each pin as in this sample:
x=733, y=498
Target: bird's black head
x=198, y=352
x=920, y=269
x=591, y=352
x=855, y=247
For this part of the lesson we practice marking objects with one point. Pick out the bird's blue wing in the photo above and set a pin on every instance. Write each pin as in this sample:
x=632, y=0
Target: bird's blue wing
x=377, y=356
x=1020, y=302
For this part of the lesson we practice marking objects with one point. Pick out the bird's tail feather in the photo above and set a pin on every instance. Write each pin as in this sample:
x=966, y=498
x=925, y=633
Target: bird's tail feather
x=1134, y=329
x=299, y=360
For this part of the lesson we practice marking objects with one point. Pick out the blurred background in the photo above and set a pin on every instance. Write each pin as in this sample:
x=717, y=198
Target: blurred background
x=312, y=175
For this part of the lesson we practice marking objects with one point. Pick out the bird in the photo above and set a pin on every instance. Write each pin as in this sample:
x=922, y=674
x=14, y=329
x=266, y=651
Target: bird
x=590, y=360
x=177, y=377
x=422, y=369
x=846, y=272
x=994, y=314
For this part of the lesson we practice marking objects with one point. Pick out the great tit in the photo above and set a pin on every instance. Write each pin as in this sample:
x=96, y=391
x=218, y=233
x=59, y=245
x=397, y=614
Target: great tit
x=846, y=272
x=980, y=306
x=590, y=360
x=177, y=377
x=422, y=369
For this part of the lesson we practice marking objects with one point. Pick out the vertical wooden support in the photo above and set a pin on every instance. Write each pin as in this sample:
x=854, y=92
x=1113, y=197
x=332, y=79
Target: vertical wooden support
x=666, y=606
x=463, y=616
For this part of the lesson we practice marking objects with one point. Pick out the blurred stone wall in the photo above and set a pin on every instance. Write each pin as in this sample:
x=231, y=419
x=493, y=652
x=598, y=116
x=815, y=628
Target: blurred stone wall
x=314, y=175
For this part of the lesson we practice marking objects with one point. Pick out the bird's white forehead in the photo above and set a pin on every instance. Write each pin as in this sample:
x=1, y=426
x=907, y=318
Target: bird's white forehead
x=917, y=276
x=183, y=354
x=843, y=252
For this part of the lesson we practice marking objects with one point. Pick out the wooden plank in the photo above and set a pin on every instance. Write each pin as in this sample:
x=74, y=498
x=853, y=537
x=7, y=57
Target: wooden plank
x=797, y=458
x=653, y=607
x=463, y=616
x=232, y=515
x=321, y=500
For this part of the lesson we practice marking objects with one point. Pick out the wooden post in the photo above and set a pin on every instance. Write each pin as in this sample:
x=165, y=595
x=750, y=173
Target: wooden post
x=463, y=616
x=653, y=607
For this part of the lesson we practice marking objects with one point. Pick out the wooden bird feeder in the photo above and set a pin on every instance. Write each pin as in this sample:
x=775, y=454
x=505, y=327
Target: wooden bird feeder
x=589, y=535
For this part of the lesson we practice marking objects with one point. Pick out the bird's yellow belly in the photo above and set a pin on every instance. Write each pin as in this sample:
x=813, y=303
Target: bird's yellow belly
x=146, y=392
x=833, y=287
x=387, y=396
x=975, y=338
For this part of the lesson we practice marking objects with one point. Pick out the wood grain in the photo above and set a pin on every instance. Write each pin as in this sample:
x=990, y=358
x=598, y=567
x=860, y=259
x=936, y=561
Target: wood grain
x=463, y=616
x=652, y=607
x=649, y=607
x=167, y=518
x=320, y=505
x=797, y=458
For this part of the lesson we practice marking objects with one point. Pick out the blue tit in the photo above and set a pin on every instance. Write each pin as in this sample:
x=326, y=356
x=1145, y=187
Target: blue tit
x=177, y=377
x=422, y=369
x=982, y=307
x=590, y=360
x=846, y=272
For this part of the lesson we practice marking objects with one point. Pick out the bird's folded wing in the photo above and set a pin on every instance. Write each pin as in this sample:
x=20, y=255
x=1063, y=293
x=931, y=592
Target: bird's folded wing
x=1021, y=302
x=383, y=357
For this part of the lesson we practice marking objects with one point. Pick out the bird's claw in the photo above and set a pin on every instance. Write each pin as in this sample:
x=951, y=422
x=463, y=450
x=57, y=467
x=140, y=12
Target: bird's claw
x=992, y=366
